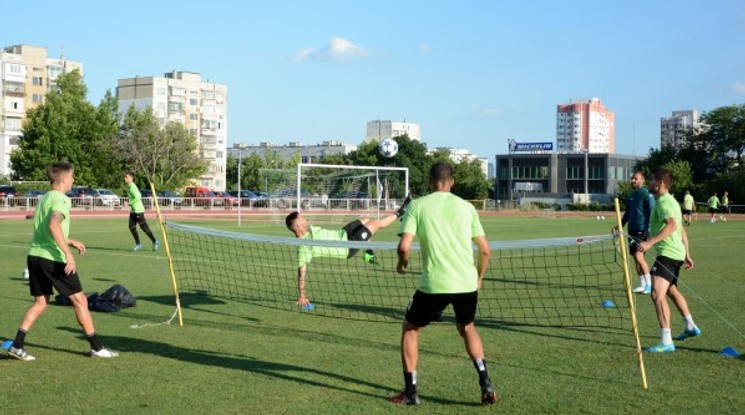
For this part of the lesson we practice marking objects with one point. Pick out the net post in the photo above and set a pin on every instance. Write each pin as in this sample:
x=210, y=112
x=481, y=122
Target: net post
x=168, y=253
x=629, y=295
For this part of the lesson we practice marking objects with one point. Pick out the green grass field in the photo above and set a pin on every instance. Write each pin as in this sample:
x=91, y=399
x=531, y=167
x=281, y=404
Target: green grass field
x=237, y=358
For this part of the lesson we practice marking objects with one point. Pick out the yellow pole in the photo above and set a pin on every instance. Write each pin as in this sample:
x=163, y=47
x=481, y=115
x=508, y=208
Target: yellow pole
x=168, y=254
x=630, y=295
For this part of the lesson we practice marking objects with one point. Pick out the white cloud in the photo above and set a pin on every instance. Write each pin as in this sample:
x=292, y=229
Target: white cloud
x=739, y=88
x=338, y=49
x=479, y=111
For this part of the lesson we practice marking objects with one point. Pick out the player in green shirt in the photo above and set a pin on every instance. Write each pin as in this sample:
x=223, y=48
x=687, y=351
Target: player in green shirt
x=713, y=203
x=671, y=242
x=725, y=207
x=137, y=213
x=51, y=264
x=357, y=230
x=446, y=225
x=689, y=205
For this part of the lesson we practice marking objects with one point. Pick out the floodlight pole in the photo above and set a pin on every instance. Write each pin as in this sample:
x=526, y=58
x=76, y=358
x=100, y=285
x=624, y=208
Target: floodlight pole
x=240, y=161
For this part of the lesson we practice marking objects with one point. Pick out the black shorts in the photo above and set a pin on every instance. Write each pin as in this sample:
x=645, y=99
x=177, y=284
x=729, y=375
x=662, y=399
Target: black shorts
x=687, y=211
x=425, y=308
x=45, y=274
x=634, y=238
x=356, y=232
x=137, y=218
x=666, y=268
x=713, y=210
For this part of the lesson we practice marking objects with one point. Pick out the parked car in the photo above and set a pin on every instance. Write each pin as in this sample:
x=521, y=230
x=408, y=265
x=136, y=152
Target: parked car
x=85, y=196
x=7, y=195
x=165, y=198
x=352, y=194
x=287, y=198
x=201, y=196
x=249, y=198
x=228, y=199
x=30, y=197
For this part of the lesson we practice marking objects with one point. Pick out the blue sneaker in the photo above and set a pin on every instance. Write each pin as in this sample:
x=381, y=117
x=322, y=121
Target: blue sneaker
x=647, y=289
x=661, y=348
x=689, y=333
x=156, y=245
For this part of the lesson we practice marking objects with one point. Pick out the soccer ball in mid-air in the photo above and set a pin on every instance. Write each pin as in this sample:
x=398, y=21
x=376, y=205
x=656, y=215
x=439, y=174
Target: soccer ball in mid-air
x=388, y=147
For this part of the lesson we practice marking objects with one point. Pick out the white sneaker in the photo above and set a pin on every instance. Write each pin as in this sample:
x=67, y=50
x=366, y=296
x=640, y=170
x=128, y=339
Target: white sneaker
x=105, y=353
x=20, y=354
x=137, y=247
x=640, y=289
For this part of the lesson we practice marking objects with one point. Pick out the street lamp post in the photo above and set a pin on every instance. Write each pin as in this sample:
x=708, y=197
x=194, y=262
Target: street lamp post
x=587, y=173
x=240, y=161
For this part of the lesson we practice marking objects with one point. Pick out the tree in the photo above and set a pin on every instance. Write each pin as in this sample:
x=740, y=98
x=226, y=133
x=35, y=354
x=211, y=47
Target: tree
x=67, y=127
x=724, y=136
x=682, y=177
x=168, y=156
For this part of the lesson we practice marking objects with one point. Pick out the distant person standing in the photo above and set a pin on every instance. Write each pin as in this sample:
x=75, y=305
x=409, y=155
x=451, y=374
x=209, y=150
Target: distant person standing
x=671, y=242
x=446, y=225
x=137, y=213
x=725, y=206
x=51, y=264
x=639, y=208
x=713, y=203
x=689, y=205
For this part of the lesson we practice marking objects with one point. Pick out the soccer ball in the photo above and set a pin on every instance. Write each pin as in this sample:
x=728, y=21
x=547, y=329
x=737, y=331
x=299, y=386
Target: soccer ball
x=25, y=274
x=388, y=147
x=597, y=217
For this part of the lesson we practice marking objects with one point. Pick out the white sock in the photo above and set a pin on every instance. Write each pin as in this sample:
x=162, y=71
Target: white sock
x=666, y=335
x=641, y=280
x=690, y=325
x=647, y=279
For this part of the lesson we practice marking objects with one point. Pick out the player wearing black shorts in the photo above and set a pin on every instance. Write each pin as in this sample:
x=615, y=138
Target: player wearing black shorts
x=670, y=239
x=357, y=230
x=51, y=264
x=446, y=225
x=639, y=207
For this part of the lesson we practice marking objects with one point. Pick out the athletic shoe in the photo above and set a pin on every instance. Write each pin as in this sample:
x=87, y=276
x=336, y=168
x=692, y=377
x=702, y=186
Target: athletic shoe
x=105, y=353
x=403, y=399
x=488, y=396
x=640, y=289
x=647, y=289
x=137, y=248
x=661, y=348
x=156, y=245
x=20, y=354
x=370, y=259
x=400, y=211
x=689, y=333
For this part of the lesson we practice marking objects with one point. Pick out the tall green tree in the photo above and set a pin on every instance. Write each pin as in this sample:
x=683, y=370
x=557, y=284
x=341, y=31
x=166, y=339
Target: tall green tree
x=724, y=136
x=168, y=156
x=66, y=127
x=682, y=177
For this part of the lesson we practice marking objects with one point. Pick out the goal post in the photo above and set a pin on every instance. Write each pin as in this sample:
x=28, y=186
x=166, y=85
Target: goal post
x=333, y=186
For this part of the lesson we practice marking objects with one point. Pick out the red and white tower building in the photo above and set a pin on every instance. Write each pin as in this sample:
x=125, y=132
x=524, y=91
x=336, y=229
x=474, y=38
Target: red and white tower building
x=585, y=126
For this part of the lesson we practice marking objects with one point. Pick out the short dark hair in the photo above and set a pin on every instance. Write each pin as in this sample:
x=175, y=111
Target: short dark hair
x=441, y=171
x=55, y=170
x=664, y=176
x=290, y=219
x=131, y=173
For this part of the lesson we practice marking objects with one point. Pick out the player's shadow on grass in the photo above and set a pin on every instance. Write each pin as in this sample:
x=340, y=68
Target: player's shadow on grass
x=292, y=373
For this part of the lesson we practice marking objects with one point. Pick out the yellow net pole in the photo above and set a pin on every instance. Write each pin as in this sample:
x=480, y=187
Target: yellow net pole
x=630, y=295
x=168, y=254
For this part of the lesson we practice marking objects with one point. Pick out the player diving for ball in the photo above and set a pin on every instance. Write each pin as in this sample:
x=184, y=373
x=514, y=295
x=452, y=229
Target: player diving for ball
x=357, y=230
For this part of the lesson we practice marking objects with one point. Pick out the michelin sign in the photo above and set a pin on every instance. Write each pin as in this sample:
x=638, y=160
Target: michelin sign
x=539, y=147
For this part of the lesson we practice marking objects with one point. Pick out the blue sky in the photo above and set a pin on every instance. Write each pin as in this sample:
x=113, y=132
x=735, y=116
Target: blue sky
x=472, y=73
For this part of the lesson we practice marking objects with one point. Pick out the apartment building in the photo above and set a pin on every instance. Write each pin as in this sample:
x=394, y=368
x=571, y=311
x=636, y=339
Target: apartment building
x=675, y=130
x=585, y=125
x=27, y=73
x=381, y=129
x=184, y=97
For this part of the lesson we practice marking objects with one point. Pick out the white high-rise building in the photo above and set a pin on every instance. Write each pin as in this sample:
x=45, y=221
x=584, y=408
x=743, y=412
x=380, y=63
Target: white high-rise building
x=585, y=125
x=26, y=75
x=674, y=130
x=202, y=107
x=382, y=129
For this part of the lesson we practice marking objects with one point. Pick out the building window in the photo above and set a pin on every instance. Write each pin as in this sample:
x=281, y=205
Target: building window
x=175, y=106
x=161, y=91
x=193, y=132
x=193, y=102
x=575, y=172
x=13, y=124
x=15, y=69
x=36, y=80
x=54, y=72
x=36, y=98
x=596, y=172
